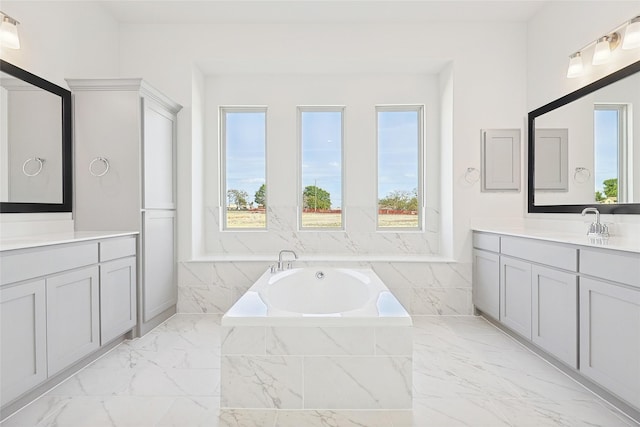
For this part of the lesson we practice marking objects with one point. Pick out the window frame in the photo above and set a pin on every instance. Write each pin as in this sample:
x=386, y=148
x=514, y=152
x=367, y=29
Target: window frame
x=222, y=156
x=420, y=109
x=300, y=109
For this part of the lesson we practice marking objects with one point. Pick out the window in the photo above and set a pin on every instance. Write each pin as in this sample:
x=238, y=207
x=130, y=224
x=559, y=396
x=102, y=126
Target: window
x=243, y=133
x=611, y=172
x=399, y=166
x=320, y=135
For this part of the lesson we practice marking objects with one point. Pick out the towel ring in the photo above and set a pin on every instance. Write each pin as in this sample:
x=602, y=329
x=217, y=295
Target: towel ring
x=472, y=175
x=33, y=159
x=106, y=166
x=581, y=175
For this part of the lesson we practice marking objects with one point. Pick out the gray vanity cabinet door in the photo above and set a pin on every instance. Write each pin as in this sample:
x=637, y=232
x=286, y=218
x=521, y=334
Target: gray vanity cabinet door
x=610, y=337
x=160, y=290
x=486, y=282
x=23, y=339
x=72, y=317
x=515, y=295
x=555, y=313
x=117, y=298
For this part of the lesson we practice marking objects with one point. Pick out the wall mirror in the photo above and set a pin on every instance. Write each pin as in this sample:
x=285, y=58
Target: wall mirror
x=584, y=148
x=35, y=143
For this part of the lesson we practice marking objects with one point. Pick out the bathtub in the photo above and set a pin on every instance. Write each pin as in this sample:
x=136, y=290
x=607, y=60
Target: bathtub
x=317, y=338
x=318, y=296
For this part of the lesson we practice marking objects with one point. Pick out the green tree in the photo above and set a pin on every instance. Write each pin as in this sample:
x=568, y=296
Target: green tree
x=400, y=200
x=261, y=196
x=316, y=198
x=611, y=187
x=600, y=197
x=238, y=198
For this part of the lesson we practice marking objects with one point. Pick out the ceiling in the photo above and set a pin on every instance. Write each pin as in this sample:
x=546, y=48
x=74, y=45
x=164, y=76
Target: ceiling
x=319, y=11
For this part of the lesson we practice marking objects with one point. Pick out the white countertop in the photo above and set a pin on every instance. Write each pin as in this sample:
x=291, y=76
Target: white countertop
x=36, y=240
x=620, y=243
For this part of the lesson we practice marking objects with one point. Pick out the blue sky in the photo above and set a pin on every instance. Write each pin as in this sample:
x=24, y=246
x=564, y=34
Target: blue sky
x=245, y=151
x=606, y=146
x=322, y=151
x=397, y=151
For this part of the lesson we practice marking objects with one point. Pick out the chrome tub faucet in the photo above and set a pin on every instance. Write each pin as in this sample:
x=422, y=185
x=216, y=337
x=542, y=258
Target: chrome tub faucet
x=281, y=265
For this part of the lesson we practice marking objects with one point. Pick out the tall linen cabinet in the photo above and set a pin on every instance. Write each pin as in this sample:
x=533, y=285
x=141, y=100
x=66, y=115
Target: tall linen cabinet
x=125, y=145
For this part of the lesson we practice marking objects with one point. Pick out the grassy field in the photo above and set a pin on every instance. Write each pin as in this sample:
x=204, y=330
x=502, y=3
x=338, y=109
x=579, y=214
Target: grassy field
x=249, y=219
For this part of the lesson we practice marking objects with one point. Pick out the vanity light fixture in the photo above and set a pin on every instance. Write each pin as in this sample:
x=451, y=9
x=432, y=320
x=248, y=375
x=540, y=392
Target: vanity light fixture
x=9, y=32
x=575, y=65
x=626, y=34
x=603, y=48
x=632, y=34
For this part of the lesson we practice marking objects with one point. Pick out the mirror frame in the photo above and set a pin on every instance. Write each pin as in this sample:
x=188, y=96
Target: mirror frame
x=614, y=208
x=67, y=165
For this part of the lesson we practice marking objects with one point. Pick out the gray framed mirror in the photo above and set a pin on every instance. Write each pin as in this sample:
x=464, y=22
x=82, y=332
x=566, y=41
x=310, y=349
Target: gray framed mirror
x=35, y=143
x=584, y=148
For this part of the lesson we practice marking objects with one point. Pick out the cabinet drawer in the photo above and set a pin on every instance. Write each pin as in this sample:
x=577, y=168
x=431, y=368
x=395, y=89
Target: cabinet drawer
x=551, y=254
x=623, y=267
x=117, y=248
x=488, y=242
x=23, y=265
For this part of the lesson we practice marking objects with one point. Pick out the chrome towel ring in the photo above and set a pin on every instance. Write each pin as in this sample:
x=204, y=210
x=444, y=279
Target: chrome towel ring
x=40, y=161
x=106, y=166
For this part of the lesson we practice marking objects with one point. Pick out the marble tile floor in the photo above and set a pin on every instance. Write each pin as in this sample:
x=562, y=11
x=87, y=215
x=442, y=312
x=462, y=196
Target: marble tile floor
x=466, y=373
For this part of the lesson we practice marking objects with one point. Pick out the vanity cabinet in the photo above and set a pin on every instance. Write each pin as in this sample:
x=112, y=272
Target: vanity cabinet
x=117, y=288
x=125, y=144
x=486, y=274
x=554, y=312
x=59, y=304
x=73, y=315
x=610, y=321
x=553, y=293
x=515, y=295
x=535, y=287
x=23, y=338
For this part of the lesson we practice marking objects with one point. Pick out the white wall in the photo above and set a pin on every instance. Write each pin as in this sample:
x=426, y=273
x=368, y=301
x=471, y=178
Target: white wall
x=489, y=86
x=359, y=93
x=59, y=40
x=555, y=32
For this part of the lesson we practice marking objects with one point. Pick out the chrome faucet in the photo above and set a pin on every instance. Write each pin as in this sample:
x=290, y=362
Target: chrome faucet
x=280, y=261
x=596, y=228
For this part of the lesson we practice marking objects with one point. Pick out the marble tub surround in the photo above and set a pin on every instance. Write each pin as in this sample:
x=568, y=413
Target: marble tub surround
x=466, y=372
x=327, y=356
x=316, y=368
x=423, y=288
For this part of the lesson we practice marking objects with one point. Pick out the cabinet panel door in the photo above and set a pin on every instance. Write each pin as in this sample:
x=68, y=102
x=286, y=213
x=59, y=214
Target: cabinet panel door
x=555, y=313
x=610, y=337
x=72, y=317
x=500, y=160
x=117, y=298
x=486, y=282
x=107, y=125
x=23, y=339
x=159, y=286
x=515, y=295
x=158, y=151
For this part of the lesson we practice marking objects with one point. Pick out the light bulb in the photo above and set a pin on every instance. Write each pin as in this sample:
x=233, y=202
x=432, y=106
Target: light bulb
x=602, y=51
x=9, y=33
x=575, y=65
x=632, y=34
